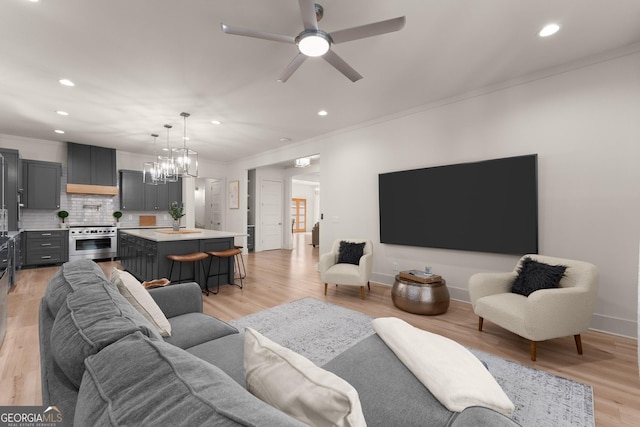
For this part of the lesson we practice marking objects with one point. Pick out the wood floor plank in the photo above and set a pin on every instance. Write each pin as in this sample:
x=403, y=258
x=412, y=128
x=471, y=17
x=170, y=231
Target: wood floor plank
x=609, y=363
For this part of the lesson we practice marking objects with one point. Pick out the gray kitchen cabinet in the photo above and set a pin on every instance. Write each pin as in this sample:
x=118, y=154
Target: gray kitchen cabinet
x=131, y=191
x=91, y=165
x=138, y=196
x=41, y=184
x=45, y=247
x=159, y=197
x=10, y=182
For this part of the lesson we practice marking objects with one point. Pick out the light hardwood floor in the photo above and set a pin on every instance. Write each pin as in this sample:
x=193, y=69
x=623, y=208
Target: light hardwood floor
x=609, y=363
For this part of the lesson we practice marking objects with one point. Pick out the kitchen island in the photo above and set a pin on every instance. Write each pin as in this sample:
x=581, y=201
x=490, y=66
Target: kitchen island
x=143, y=252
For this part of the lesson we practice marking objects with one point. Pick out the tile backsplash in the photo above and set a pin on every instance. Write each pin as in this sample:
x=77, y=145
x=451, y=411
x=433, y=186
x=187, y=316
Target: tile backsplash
x=86, y=209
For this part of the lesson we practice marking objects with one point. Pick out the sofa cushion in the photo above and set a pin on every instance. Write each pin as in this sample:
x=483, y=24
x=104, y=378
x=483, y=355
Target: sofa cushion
x=69, y=277
x=533, y=276
x=137, y=381
x=139, y=297
x=196, y=328
x=350, y=252
x=227, y=353
x=293, y=384
x=92, y=318
x=451, y=372
x=389, y=393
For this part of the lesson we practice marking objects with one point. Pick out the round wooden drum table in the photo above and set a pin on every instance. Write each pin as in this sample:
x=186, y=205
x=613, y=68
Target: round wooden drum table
x=420, y=298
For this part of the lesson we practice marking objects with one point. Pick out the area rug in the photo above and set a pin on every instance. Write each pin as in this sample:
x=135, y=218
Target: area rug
x=320, y=331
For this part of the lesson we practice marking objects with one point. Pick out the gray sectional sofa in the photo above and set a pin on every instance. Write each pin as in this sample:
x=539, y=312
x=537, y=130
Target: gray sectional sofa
x=103, y=363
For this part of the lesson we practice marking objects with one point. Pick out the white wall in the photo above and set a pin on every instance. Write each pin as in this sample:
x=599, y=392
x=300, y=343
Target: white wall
x=583, y=124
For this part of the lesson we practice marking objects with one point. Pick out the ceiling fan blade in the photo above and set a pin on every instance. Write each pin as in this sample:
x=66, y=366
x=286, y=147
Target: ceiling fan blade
x=257, y=34
x=292, y=67
x=308, y=11
x=332, y=58
x=377, y=28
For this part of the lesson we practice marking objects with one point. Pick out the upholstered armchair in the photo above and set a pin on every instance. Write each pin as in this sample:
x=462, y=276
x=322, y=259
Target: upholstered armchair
x=346, y=266
x=545, y=313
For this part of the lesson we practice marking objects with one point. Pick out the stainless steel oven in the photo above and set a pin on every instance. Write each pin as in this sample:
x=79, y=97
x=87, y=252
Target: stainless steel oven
x=92, y=242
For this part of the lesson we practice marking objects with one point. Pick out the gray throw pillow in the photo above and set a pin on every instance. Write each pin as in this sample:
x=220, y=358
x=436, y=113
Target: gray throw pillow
x=141, y=382
x=92, y=318
x=71, y=276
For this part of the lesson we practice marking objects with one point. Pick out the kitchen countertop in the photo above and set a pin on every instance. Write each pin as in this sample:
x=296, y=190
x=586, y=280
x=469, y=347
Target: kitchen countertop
x=156, y=235
x=44, y=229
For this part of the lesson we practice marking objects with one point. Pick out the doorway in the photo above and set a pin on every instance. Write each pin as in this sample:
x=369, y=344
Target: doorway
x=271, y=214
x=209, y=203
x=299, y=215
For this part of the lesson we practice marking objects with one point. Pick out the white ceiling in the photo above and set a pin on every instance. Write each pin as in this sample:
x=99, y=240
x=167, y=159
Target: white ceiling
x=138, y=64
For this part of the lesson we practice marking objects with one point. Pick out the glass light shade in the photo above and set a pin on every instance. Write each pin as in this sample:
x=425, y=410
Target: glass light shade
x=313, y=45
x=152, y=174
x=168, y=167
x=186, y=161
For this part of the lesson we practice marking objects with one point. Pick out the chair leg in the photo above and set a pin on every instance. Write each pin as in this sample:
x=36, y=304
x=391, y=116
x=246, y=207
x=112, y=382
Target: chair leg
x=578, y=343
x=532, y=350
x=242, y=270
x=369, y=286
x=362, y=292
x=325, y=288
x=171, y=270
x=204, y=275
x=480, y=321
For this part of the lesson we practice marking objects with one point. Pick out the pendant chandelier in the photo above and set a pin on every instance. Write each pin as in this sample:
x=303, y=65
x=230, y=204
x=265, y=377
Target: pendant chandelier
x=186, y=160
x=152, y=171
x=167, y=163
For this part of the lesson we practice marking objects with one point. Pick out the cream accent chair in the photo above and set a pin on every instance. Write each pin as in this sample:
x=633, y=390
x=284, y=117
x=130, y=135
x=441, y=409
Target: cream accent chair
x=544, y=314
x=347, y=274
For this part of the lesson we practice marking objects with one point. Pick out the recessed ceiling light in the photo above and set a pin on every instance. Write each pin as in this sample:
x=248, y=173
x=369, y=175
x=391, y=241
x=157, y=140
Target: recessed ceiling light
x=58, y=131
x=285, y=139
x=66, y=82
x=216, y=122
x=62, y=113
x=549, y=30
x=322, y=113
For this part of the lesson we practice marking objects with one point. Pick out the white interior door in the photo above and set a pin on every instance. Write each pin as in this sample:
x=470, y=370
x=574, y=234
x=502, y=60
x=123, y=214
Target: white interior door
x=271, y=214
x=215, y=205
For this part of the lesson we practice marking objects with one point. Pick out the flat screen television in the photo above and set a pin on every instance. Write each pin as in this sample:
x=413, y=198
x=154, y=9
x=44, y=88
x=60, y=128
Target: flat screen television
x=486, y=206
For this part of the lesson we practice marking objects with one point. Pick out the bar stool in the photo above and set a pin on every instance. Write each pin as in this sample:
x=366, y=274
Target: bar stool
x=222, y=255
x=242, y=272
x=181, y=259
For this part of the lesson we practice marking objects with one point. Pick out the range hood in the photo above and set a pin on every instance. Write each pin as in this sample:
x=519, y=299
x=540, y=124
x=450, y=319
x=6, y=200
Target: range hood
x=91, y=170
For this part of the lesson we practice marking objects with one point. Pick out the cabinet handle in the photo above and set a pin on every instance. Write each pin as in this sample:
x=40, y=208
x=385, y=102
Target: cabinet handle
x=45, y=234
x=46, y=257
x=45, y=244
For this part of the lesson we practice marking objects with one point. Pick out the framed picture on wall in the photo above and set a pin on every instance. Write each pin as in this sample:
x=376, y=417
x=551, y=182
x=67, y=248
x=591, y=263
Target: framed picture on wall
x=234, y=191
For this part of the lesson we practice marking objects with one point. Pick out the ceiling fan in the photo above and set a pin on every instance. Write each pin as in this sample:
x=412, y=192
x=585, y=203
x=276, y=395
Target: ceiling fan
x=313, y=42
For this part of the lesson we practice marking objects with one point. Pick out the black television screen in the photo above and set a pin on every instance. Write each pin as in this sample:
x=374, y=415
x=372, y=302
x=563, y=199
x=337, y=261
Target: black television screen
x=487, y=206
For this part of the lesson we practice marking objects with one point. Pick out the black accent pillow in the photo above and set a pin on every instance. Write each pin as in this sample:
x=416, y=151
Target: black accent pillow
x=350, y=253
x=534, y=275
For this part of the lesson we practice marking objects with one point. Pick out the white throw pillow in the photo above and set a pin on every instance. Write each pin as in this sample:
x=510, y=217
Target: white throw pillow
x=139, y=297
x=451, y=372
x=295, y=385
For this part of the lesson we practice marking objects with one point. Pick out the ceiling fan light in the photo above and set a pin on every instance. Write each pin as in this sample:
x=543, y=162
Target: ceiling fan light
x=313, y=44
